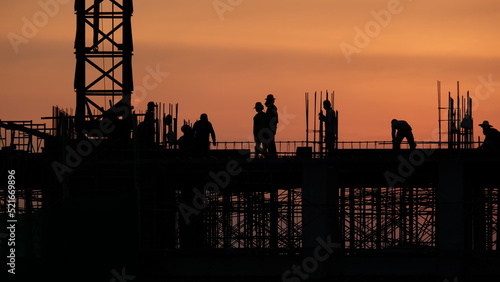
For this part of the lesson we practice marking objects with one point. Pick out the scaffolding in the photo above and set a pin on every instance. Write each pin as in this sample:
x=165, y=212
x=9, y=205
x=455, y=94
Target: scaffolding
x=254, y=220
x=266, y=209
x=459, y=121
x=387, y=217
x=490, y=222
x=23, y=135
x=251, y=215
x=318, y=133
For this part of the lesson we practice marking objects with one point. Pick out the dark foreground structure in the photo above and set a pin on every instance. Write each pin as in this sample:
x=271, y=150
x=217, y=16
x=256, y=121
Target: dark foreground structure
x=158, y=215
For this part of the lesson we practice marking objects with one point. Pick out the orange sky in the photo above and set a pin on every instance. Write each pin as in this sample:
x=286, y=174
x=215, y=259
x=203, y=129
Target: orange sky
x=223, y=61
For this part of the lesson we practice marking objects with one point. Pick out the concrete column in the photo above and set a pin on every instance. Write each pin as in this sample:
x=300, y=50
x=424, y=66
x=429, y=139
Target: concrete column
x=450, y=217
x=314, y=203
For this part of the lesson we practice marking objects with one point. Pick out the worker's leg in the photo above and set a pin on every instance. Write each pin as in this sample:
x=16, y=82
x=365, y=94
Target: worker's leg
x=411, y=140
x=396, y=143
x=258, y=149
x=271, y=149
x=329, y=140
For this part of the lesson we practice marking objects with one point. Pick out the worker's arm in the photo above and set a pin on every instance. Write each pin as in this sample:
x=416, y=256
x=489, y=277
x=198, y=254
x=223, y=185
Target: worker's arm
x=212, y=132
x=322, y=116
x=393, y=132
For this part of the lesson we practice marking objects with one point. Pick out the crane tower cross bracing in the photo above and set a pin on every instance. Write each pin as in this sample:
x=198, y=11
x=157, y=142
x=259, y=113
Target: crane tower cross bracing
x=103, y=49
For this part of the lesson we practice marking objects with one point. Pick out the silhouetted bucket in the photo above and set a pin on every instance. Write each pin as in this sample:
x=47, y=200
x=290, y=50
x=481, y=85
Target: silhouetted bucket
x=304, y=152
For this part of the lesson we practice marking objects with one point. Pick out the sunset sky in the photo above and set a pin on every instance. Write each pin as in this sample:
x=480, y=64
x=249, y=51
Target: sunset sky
x=381, y=57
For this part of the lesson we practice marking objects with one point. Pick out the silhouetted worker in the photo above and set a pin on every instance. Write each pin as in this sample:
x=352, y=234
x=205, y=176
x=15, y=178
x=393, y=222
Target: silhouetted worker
x=466, y=122
x=202, y=130
x=403, y=131
x=491, y=137
x=329, y=121
x=119, y=115
x=260, y=132
x=147, y=127
x=271, y=124
x=170, y=134
x=186, y=141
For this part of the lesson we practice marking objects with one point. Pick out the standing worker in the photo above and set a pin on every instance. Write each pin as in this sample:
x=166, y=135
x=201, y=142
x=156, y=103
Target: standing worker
x=271, y=124
x=329, y=121
x=146, y=128
x=403, y=131
x=203, y=130
x=259, y=129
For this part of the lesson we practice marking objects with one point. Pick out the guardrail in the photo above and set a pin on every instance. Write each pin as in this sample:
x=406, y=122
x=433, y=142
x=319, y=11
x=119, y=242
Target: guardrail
x=289, y=148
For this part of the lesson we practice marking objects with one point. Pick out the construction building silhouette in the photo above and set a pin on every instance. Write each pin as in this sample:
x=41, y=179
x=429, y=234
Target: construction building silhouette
x=95, y=204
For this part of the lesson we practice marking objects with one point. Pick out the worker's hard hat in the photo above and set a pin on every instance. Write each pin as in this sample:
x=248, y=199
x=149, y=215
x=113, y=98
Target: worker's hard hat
x=485, y=124
x=270, y=97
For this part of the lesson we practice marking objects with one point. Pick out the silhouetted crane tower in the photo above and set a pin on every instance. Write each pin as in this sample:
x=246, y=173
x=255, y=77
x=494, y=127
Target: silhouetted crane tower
x=103, y=48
